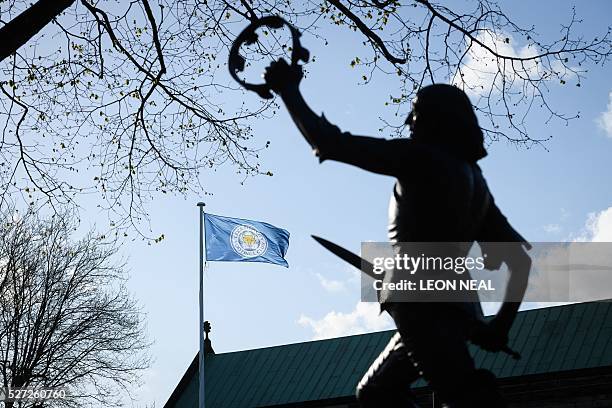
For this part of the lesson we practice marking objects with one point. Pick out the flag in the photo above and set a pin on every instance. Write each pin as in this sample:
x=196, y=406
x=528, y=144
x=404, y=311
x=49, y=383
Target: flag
x=239, y=240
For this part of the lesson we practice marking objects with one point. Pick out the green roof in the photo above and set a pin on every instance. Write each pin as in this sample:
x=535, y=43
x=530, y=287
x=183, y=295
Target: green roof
x=553, y=339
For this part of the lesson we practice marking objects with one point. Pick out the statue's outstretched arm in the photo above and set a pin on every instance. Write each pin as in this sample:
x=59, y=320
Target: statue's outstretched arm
x=388, y=157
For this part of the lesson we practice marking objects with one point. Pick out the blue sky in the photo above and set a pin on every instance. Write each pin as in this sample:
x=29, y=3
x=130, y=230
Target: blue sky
x=551, y=194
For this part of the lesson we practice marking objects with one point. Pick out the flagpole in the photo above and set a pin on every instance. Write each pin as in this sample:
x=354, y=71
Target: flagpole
x=201, y=394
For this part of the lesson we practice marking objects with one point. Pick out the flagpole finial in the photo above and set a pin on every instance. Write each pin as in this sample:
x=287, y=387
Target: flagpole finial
x=207, y=328
x=207, y=343
x=201, y=204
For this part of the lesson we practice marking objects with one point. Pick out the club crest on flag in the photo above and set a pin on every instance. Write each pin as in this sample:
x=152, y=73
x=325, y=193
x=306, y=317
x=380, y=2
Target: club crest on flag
x=248, y=242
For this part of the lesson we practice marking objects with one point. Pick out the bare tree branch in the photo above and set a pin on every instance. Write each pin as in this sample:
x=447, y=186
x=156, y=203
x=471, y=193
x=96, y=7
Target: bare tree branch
x=27, y=24
x=367, y=32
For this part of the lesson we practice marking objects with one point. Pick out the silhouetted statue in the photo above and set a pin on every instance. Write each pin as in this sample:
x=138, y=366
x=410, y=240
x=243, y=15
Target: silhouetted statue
x=440, y=196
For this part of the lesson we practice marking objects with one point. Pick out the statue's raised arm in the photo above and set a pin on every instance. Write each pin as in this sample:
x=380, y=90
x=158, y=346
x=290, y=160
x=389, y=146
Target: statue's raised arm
x=392, y=157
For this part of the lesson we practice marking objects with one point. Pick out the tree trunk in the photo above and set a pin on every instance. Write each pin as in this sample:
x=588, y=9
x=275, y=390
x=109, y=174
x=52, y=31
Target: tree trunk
x=19, y=30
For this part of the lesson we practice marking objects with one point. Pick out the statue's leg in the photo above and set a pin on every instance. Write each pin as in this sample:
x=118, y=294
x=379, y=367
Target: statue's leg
x=387, y=381
x=436, y=343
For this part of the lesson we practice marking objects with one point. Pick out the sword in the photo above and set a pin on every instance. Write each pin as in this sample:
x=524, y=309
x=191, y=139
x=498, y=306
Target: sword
x=358, y=262
x=366, y=267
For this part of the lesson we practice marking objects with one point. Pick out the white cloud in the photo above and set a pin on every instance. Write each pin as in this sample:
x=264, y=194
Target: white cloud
x=552, y=228
x=598, y=227
x=339, y=285
x=481, y=71
x=365, y=317
x=605, y=119
x=331, y=285
x=589, y=276
x=564, y=214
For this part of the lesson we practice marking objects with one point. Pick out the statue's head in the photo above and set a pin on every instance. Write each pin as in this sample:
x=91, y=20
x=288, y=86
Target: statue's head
x=443, y=115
